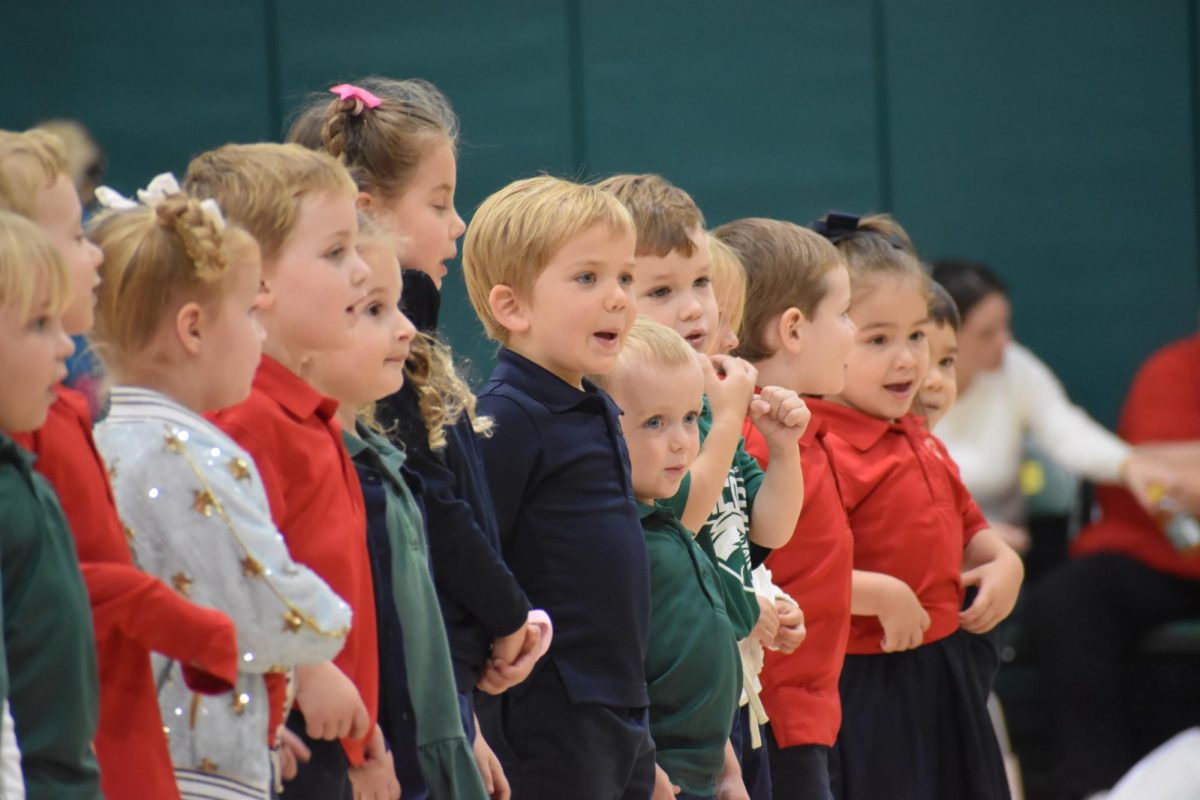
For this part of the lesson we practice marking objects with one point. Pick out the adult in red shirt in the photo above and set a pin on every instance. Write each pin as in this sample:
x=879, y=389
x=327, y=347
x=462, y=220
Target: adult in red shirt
x=133, y=613
x=1125, y=578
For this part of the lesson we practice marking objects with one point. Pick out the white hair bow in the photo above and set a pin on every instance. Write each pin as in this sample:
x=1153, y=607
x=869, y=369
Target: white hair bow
x=155, y=192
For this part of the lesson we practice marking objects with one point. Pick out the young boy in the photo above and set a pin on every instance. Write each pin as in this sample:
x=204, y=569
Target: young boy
x=133, y=613
x=725, y=493
x=51, y=663
x=940, y=387
x=549, y=268
x=797, y=335
x=299, y=205
x=693, y=667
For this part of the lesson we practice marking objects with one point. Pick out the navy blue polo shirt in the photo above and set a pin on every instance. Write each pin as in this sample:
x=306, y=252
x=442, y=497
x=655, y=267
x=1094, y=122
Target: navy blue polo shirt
x=569, y=525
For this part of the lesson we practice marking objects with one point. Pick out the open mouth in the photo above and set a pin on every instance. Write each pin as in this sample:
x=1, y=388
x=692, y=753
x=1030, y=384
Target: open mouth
x=696, y=339
x=607, y=338
x=899, y=389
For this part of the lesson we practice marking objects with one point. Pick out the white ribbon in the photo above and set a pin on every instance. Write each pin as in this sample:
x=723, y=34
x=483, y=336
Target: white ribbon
x=156, y=191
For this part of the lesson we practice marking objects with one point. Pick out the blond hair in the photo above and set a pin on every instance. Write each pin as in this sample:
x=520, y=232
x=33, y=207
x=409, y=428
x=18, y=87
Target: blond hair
x=785, y=268
x=664, y=215
x=518, y=229
x=156, y=259
x=85, y=159
x=728, y=282
x=30, y=163
x=29, y=261
x=879, y=248
x=382, y=146
x=649, y=344
x=260, y=186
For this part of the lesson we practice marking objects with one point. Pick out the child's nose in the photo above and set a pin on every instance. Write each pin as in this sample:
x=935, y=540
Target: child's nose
x=359, y=271
x=65, y=346
x=691, y=309
x=406, y=330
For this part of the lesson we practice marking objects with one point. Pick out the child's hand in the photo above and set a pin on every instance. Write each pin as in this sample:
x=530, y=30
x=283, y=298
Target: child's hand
x=292, y=752
x=729, y=384
x=791, y=626
x=330, y=703
x=732, y=787
x=494, y=780
x=903, y=618
x=1147, y=479
x=375, y=778
x=663, y=788
x=508, y=666
x=780, y=416
x=999, y=582
x=767, y=627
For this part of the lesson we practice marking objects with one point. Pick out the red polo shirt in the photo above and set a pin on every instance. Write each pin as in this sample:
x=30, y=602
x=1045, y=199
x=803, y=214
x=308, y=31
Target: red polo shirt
x=1163, y=406
x=317, y=503
x=800, y=690
x=909, y=511
x=133, y=613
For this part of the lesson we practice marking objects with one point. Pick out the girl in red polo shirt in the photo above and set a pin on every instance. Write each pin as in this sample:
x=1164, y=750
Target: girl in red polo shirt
x=914, y=686
x=133, y=613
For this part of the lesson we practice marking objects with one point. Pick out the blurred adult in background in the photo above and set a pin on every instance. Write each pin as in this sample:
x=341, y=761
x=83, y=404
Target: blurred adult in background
x=1126, y=577
x=1006, y=395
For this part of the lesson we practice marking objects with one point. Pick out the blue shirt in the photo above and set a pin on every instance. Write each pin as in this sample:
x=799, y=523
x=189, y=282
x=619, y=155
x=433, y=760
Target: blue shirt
x=569, y=525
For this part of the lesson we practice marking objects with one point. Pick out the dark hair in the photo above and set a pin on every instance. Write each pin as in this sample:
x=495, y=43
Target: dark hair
x=967, y=282
x=942, y=308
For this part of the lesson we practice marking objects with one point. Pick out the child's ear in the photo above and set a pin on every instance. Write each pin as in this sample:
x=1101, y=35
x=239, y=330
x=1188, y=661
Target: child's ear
x=791, y=330
x=364, y=202
x=508, y=309
x=189, y=327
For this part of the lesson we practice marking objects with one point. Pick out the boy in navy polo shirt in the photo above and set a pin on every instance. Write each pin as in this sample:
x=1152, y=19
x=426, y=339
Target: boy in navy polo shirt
x=549, y=268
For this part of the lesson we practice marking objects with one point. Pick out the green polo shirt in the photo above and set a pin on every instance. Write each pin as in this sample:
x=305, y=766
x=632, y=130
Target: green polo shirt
x=53, y=691
x=729, y=529
x=693, y=669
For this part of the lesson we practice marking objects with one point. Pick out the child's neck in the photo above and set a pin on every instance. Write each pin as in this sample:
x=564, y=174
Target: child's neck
x=347, y=417
x=180, y=385
x=295, y=361
x=779, y=370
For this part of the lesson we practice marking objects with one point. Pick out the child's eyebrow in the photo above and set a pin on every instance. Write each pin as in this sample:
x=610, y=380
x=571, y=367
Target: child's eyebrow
x=873, y=325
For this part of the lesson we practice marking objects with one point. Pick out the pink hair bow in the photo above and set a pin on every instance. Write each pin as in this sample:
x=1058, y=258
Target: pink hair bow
x=360, y=96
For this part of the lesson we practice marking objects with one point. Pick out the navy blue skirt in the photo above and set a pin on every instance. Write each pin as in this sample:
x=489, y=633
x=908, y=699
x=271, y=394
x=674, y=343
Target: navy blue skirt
x=915, y=725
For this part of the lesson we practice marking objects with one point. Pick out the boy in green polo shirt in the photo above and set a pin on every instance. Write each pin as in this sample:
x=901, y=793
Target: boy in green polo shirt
x=693, y=670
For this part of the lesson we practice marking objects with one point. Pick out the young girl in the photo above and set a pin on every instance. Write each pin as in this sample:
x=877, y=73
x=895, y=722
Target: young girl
x=939, y=390
x=50, y=663
x=176, y=330
x=915, y=721
x=133, y=613
x=796, y=334
x=419, y=711
x=398, y=140
x=299, y=205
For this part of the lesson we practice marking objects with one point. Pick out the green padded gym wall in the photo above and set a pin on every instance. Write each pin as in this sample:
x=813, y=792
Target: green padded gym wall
x=1056, y=141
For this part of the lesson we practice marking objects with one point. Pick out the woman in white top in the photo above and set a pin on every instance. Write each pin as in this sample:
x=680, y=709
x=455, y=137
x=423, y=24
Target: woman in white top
x=1007, y=393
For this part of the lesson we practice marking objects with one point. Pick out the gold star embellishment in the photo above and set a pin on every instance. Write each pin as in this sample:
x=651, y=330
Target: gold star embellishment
x=207, y=765
x=203, y=502
x=182, y=583
x=173, y=442
x=240, y=469
x=130, y=533
x=112, y=471
x=292, y=621
x=239, y=703
x=251, y=567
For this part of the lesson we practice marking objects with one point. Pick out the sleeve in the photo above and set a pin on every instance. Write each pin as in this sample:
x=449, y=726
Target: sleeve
x=1067, y=433
x=752, y=473
x=510, y=456
x=465, y=563
x=216, y=540
x=1163, y=404
x=140, y=606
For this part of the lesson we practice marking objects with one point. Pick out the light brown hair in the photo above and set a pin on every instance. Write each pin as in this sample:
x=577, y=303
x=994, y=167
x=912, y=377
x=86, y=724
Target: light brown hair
x=728, y=282
x=156, y=259
x=785, y=266
x=518, y=229
x=383, y=146
x=260, y=186
x=664, y=216
x=30, y=162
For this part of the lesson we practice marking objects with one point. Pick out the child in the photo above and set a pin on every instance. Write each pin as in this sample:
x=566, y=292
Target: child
x=133, y=613
x=940, y=387
x=549, y=268
x=51, y=665
x=176, y=331
x=398, y=139
x=797, y=335
x=299, y=205
x=692, y=665
x=726, y=485
x=914, y=701
x=419, y=711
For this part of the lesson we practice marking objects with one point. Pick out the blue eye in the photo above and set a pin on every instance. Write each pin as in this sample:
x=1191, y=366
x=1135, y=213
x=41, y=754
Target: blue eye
x=691, y=418
x=659, y=292
x=654, y=423
x=586, y=278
